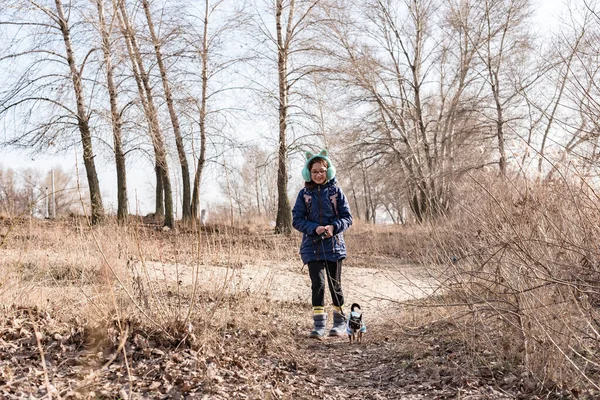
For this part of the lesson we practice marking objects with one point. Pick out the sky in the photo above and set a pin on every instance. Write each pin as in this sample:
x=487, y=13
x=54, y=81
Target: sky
x=140, y=175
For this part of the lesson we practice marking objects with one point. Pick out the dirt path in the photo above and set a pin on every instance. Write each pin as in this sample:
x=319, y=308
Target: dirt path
x=375, y=289
x=389, y=364
x=402, y=368
x=385, y=366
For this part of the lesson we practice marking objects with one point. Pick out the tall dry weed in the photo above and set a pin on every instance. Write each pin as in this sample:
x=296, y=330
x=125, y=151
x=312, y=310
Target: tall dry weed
x=518, y=262
x=115, y=277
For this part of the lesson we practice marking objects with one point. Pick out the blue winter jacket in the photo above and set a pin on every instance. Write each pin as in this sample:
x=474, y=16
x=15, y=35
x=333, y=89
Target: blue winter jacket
x=324, y=205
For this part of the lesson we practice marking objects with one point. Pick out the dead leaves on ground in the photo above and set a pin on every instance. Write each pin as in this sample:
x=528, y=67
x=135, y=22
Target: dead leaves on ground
x=257, y=362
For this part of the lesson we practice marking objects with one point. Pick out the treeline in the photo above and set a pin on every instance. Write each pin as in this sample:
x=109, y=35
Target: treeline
x=411, y=97
x=30, y=192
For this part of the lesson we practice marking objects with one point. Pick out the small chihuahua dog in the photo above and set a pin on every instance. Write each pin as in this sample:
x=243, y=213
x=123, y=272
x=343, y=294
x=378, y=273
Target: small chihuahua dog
x=355, y=328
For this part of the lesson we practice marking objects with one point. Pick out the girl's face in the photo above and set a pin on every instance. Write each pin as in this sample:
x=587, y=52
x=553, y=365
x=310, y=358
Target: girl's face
x=318, y=172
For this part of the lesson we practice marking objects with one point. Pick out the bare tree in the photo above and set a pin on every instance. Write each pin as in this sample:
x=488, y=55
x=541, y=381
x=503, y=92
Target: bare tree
x=502, y=44
x=262, y=199
x=185, y=172
x=67, y=195
x=13, y=198
x=82, y=117
x=35, y=87
x=389, y=75
x=25, y=191
x=202, y=111
x=283, y=223
x=249, y=194
x=415, y=69
x=584, y=93
x=163, y=182
x=567, y=121
x=211, y=36
x=105, y=32
x=289, y=26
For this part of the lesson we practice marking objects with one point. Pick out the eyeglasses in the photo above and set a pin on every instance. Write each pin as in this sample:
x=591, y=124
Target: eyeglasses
x=322, y=171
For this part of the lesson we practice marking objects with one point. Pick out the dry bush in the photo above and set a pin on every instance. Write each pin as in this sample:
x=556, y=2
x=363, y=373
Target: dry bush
x=519, y=268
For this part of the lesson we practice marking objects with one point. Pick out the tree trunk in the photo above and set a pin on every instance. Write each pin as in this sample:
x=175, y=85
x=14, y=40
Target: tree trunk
x=499, y=126
x=198, y=175
x=391, y=214
x=115, y=117
x=145, y=91
x=257, y=190
x=366, y=192
x=283, y=223
x=202, y=157
x=82, y=121
x=185, y=171
x=558, y=101
x=159, y=208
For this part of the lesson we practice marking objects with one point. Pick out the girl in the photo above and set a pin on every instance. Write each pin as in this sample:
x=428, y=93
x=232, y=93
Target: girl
x=322, y=213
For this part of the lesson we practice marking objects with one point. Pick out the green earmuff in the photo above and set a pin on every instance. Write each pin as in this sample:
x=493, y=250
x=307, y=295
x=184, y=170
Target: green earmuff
x=325, y=156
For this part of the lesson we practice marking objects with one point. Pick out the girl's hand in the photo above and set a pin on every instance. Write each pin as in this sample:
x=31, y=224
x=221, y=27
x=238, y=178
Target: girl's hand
x=329, y=229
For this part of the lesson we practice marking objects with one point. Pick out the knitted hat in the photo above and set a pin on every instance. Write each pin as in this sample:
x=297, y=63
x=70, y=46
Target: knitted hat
x=325, y=156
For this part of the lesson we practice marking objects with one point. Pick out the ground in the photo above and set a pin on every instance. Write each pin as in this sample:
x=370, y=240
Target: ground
x=376, y=287
x=247, y=337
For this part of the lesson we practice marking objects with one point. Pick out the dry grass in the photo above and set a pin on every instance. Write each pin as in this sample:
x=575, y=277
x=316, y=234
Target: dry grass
x=107, y=265
x=103, y=290
x=516, y=269
x=525, y=282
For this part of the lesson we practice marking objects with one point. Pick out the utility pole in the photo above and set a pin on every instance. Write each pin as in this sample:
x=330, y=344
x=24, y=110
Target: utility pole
x=46, y=210
x=53, y=198
x=31, y=201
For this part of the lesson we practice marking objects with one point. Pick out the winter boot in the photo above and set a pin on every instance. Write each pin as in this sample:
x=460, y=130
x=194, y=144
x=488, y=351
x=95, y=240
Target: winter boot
x=339, y=324
x=320, y=323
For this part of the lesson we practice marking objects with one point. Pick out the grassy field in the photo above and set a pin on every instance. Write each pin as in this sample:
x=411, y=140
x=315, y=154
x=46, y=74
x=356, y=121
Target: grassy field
x=222, y=312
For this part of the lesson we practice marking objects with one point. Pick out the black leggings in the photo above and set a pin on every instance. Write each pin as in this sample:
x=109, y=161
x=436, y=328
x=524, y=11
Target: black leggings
x=333, y=275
